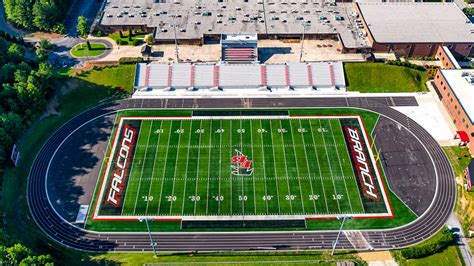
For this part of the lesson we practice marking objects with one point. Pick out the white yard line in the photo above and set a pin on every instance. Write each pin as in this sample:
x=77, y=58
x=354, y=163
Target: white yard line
x=253, y=175
x=319, y=165
x=197, y=170
x=329, y=164
x=153, y=171
x=209, y=168
x=230, y=172
x=340, y=167
x=186, y=171
x=220, y=167
x=143, y=166
x=276, y=174
x=297, y=168
x=307, y=167
x=352, y=169
x=264, y=168
x=164, y=168
x=242, y=178
x=176, y=164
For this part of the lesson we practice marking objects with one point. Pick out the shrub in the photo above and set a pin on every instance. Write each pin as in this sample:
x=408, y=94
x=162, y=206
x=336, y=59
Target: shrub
x=405, y=64
x=137, y=42
x=130, y=60
x=429, y=249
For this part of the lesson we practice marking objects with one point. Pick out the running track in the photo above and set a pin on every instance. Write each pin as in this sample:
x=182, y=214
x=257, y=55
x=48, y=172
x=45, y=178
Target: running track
x=74, y=237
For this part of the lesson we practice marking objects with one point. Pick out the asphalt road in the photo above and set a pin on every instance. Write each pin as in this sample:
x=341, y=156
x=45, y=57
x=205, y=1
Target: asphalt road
x=63, y=232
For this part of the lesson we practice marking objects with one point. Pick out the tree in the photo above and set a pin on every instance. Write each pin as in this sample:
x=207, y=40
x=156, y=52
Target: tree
x=42, y=50
x=17, y=253
x=45, y=14
x=82, y=27
x=15, y=52
x=37, y=260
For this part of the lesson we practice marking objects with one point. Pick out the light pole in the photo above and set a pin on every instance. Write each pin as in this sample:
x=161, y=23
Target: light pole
x=343, y=217
x=176, y=44
x=152, y=243
x=302, y=40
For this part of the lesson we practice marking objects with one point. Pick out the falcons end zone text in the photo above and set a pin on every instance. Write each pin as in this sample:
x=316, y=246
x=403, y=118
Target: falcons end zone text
x=364, y=172
x=121, y=166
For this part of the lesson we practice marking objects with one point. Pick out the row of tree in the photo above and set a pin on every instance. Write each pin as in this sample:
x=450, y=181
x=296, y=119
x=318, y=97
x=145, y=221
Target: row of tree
x=24, y=90
x=19, y=254
x=44, y=15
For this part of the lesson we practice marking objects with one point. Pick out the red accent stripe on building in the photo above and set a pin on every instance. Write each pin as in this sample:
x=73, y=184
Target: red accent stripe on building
x=287, y=75
x=170, y=75
x=331, y=73
x=310, y=76
x=147, y=75
x=216, y=76
x=192, y=76
x=263, y=73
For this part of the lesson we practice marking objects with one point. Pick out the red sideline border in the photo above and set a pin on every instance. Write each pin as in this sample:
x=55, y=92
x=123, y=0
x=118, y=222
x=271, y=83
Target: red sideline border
x=177, y=219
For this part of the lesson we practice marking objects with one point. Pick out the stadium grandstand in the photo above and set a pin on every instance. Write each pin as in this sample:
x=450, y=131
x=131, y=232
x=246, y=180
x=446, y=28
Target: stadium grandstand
x=239, y=48
x=183, y=79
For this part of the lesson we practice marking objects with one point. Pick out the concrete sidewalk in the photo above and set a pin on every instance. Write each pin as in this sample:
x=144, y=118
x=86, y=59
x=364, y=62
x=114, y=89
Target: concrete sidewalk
x=462, y=243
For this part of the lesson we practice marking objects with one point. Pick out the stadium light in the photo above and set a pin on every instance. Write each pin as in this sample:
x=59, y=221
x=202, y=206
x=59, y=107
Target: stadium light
x=343, y=218
x=152, y=243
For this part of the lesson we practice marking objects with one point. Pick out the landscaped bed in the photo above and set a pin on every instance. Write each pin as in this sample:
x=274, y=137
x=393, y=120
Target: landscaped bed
x=82, y=49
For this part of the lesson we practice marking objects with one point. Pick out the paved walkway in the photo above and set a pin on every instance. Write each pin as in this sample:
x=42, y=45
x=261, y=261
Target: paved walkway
x=462, y=243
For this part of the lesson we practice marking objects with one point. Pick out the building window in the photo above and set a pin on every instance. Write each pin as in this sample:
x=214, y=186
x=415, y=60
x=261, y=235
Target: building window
x=451, y=99
x=467, y=126
x=455, y=107
x=437, y=76
x=459, y=112
x=454, y=121
x=442, y=58
x=442, y=83
x=439, y=53
x=463, y=120
x=449, y=94
x=444, y=87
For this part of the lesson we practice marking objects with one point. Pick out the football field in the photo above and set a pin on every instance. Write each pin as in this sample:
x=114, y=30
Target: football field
x=263, y=167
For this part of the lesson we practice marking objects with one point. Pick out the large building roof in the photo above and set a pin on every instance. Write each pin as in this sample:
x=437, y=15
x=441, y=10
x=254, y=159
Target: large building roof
x=196, y=18
x=417, y=23
x=461, y=82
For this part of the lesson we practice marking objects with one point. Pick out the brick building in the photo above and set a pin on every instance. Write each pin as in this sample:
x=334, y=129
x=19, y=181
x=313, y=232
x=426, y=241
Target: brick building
x=416, y=29
x=455, y=87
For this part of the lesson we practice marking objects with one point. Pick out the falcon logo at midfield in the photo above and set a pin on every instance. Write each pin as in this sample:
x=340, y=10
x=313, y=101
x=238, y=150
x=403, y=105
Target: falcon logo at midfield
x=241, y=165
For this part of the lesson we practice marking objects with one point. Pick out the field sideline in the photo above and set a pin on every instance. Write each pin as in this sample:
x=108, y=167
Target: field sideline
x=298, y=168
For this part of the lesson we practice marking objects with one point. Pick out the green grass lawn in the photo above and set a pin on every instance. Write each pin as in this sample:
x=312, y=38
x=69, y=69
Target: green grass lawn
x=459, y=158
x=79, y=95
x=81, y=50
x=446, y=257
x=120, y=76
x=125, y=40
x=228, y=258
x=377, y=77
